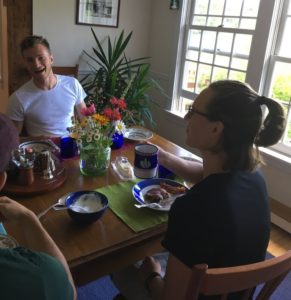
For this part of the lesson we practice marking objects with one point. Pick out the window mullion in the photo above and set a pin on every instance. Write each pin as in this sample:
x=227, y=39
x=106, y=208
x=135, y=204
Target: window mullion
x=261, y=44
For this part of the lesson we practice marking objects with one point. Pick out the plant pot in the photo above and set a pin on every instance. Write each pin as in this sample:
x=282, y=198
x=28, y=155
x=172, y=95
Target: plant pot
x=117, y=140
x=94, y=161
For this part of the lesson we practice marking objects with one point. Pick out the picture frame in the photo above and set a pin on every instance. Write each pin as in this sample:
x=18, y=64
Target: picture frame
x=98, y=12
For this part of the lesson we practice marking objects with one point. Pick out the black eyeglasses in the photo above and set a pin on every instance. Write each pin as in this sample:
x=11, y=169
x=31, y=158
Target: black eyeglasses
x=192, y=111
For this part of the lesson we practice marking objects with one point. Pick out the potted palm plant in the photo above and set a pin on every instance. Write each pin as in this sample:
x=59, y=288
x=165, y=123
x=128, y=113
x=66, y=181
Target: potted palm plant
x=113, y=75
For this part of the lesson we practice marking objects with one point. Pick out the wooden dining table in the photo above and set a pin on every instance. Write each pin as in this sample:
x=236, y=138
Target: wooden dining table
x=106, y=245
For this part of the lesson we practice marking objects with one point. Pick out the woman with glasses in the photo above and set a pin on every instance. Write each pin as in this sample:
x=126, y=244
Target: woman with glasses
x=224, y=219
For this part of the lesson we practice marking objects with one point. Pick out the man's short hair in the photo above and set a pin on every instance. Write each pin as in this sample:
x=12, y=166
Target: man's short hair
x=9, y=140
x=33, y=40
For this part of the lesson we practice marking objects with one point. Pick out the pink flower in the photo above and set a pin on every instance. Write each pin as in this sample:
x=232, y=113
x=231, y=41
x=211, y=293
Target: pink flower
x=120, y=103
x=116, y=114
x=114, y=101
x=88, y=111
x=108, y=112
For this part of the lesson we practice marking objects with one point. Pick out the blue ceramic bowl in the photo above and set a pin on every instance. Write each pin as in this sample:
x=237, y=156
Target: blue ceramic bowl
x=85, y=207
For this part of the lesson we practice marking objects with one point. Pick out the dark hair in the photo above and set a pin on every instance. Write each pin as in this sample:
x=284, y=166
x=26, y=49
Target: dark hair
x=33, y=40
x=239, y=108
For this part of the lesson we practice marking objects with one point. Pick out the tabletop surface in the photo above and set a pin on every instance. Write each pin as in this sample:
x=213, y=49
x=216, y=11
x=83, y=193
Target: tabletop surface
x=106, y=245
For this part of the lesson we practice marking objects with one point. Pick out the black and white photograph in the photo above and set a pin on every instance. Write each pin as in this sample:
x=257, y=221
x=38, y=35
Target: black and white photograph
x=98, y=12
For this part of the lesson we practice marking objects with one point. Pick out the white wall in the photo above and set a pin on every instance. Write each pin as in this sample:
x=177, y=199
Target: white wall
x=56, y=21
x=156, y=30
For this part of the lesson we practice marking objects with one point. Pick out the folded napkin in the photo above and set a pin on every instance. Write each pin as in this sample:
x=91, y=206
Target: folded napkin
x=121, y=202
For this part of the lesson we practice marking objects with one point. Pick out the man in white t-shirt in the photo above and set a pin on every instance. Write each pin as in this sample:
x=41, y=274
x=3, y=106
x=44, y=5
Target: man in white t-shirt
x=44, y=105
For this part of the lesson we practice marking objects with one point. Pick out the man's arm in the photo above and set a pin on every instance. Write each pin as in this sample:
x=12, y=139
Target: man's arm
x=78, y=110
x=36, y=237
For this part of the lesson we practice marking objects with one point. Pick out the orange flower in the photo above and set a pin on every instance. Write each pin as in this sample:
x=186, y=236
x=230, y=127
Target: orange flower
x=103, y=120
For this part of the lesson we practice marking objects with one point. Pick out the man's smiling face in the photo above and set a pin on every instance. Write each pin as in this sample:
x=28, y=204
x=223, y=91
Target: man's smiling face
x=38, y=61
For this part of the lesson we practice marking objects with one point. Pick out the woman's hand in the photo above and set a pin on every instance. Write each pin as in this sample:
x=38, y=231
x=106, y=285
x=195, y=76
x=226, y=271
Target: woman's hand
x=148, y=266
x=163, y=156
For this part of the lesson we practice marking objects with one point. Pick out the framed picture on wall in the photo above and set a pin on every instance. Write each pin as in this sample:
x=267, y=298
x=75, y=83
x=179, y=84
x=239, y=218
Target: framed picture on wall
x=98, y=12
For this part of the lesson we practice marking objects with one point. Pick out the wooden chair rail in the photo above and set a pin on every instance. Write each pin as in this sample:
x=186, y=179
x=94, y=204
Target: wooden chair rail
x=70, y=71
x=224, y=281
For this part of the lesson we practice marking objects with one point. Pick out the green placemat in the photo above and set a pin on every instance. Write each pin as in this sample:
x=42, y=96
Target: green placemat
x=121, y=203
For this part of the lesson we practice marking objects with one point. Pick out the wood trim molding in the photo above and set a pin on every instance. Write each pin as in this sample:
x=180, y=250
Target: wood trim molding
x=281, y=210
x=19, y=16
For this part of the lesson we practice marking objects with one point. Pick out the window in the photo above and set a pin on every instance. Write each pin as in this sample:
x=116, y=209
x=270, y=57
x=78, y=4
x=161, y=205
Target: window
x=245, y=40
x=278, y=82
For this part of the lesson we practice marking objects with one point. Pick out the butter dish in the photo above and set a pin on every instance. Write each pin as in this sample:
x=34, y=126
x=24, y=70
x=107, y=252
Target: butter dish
x=123, y=168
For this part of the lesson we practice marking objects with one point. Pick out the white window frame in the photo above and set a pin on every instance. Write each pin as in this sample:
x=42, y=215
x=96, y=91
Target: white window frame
x=261, y=58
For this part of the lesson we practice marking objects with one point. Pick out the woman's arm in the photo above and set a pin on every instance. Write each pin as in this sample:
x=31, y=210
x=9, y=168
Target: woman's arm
x=36, y=236
x=191, y=171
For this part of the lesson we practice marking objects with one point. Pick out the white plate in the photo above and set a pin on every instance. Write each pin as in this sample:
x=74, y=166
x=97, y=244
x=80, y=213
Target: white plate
x=142, y=187
x=138, y=134
x=7, y=242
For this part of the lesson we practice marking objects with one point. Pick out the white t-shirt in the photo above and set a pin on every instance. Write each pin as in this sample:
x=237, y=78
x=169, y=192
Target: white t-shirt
x=46, y=112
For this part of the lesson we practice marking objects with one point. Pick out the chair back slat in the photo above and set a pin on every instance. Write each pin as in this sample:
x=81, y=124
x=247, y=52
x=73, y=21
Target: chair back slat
x=224, y=281
x=69, y=71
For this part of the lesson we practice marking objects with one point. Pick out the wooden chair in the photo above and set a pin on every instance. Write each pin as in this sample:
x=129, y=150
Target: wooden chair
x=223, y=281
x=69, y=71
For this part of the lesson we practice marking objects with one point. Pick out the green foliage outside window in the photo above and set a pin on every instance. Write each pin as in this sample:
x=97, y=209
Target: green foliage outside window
x=282, y=92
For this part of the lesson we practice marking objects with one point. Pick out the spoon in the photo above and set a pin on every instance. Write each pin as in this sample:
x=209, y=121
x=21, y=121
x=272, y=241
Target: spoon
x=75, y=208
x=150, y=205
x=60, y=203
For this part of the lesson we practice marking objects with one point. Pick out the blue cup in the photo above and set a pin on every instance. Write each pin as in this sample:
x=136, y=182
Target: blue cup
x=163, y=172
x=69, y=147
x=145, y=160
x=117, y=140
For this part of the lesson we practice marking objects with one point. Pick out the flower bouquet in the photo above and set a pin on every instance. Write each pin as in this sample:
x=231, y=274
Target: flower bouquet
x=94, y=133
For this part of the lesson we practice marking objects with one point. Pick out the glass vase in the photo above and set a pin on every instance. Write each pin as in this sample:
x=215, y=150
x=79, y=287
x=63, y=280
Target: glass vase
x=94, y=161
x=117, y=140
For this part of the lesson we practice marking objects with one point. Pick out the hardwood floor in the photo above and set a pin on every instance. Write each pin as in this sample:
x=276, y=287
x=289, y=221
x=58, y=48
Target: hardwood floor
x=280, y=241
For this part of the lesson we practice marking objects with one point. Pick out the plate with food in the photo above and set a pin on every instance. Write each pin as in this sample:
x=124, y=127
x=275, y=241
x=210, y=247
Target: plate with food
x=158, y=190
x=138, y=134
x=7, y=242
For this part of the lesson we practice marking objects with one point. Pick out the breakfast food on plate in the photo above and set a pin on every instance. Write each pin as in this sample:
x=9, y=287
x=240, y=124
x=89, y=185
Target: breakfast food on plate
x=156, y=195
x=173, y=189
x=164, y=193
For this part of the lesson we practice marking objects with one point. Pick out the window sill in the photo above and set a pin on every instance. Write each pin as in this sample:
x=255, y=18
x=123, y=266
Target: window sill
x=276, y=159
x=176, y=116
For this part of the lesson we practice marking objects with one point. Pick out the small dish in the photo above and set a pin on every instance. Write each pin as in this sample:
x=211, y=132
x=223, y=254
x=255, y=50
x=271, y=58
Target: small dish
x=93, y=204
x=7, y=242
x=123, y=168
x=138, y=134
x=141, y=188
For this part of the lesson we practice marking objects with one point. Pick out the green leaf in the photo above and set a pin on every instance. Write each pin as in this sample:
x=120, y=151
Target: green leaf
x=115, y=75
